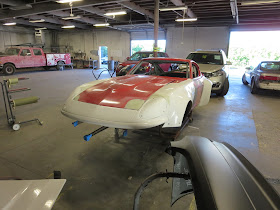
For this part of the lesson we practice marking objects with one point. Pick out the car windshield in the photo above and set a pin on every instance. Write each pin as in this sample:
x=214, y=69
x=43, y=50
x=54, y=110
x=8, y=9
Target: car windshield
x=12, y=51
x=267, y=66
x=206, y=58
x=169, y=68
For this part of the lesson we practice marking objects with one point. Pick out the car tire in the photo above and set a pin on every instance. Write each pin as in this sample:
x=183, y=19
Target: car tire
x=9, y=69
x=60, y=66
x=225, y=88
x=253, y=87
x=244, y=81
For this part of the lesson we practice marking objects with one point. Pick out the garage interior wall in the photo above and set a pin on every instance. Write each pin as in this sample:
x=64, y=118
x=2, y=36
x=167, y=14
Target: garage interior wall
x=204, y=38
x=15, y=35
x=118, y=42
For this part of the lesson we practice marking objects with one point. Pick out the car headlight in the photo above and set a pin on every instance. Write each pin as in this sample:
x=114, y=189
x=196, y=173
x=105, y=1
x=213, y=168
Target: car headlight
x=217, y=73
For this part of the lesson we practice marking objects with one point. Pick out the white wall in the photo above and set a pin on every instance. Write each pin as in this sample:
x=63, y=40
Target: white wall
x=205, y=38
x=118, y=42
x=12, y=35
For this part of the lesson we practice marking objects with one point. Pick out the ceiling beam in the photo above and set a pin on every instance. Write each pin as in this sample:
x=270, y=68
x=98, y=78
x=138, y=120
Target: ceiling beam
x=189, y=12
x=94, y=10
x=57, y=21
x=234, y=10
x=82, y=19
x=49, y=7
x=36, y=25
x=138, y=9
x=13, y=3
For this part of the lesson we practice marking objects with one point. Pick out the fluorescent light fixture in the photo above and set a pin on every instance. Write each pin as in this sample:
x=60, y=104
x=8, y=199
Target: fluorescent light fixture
x=186, y=19
x=115, y=13
x=101, y=24
x=10, y=24
x=71, y=17
x=37, y=21
x=244, y=3
x=40, y=28
x=72, y=26
x=66, y=1
x=173, y=8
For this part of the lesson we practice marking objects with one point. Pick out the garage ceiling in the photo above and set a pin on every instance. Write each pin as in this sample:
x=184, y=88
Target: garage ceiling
x=139, y=15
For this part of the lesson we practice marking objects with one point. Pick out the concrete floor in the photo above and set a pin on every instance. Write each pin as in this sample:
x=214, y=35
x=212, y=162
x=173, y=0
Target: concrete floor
x=102, y=174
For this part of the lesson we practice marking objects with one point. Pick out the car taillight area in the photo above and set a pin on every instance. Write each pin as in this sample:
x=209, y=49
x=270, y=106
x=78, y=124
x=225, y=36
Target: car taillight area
x=269, y=78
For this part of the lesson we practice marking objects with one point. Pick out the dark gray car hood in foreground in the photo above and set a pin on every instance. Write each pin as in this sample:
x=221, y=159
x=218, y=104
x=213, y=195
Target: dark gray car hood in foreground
x=222, y=178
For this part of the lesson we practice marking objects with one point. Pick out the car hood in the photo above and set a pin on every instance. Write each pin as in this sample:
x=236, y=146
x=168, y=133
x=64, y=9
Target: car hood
x=29, y=194
x=118, y=91
x=209, y=68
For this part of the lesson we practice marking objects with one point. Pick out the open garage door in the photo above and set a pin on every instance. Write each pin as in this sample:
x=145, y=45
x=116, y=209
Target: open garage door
x=248, y=48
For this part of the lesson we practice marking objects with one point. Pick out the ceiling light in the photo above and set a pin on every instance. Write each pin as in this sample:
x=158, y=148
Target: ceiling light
x=173, y=8
x=72, y=26
x=115, y=13
x=37, y=21
x=244, y=3
x=101, y=24
x=66, y=1
x=71, y=17
x=40, y=28
x=10, y=24
x=186, y=19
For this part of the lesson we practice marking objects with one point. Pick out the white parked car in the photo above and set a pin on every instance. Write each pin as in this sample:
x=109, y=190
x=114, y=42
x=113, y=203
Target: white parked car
x=214, y=65
x=265, y=76
x=146, y=97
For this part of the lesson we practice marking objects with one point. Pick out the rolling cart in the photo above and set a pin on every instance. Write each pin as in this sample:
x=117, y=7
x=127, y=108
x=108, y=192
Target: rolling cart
x=10, y=103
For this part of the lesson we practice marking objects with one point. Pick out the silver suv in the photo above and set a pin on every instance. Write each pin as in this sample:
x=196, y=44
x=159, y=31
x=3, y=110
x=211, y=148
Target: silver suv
x=214, y=65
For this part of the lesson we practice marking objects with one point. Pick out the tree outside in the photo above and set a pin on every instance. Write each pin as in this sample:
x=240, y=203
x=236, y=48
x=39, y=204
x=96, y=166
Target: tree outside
x=146, y=45
x=250, y=48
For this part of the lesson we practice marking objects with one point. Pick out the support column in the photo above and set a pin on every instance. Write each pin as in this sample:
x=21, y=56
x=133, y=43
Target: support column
x=156, y=24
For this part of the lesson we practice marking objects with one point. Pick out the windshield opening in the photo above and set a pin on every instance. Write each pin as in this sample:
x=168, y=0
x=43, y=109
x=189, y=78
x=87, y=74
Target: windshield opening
x=12, y=51
x=162, y=68
x=206, y=58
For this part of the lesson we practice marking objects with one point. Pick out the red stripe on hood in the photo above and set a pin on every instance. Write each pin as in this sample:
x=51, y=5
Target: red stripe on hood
x=116, y=92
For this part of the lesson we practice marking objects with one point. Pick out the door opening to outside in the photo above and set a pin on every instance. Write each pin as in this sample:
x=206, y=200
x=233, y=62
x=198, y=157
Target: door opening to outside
x=103, y=56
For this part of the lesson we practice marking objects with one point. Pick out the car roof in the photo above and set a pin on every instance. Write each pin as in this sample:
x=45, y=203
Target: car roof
x=207, y=51
x=167, y=59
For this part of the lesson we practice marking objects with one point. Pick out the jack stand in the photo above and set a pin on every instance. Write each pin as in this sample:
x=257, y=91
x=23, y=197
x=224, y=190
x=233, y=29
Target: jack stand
x=88, y=136
x=117, y=136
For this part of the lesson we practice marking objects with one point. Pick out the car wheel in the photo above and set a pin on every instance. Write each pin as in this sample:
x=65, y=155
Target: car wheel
x=60, y=66
x=225, y=88
x=244, y=80
x=253, y=88
x=9, y=69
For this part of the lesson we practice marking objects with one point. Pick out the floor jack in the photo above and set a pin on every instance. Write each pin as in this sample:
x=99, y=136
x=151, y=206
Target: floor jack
x=88, y=136
x=10, y=103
